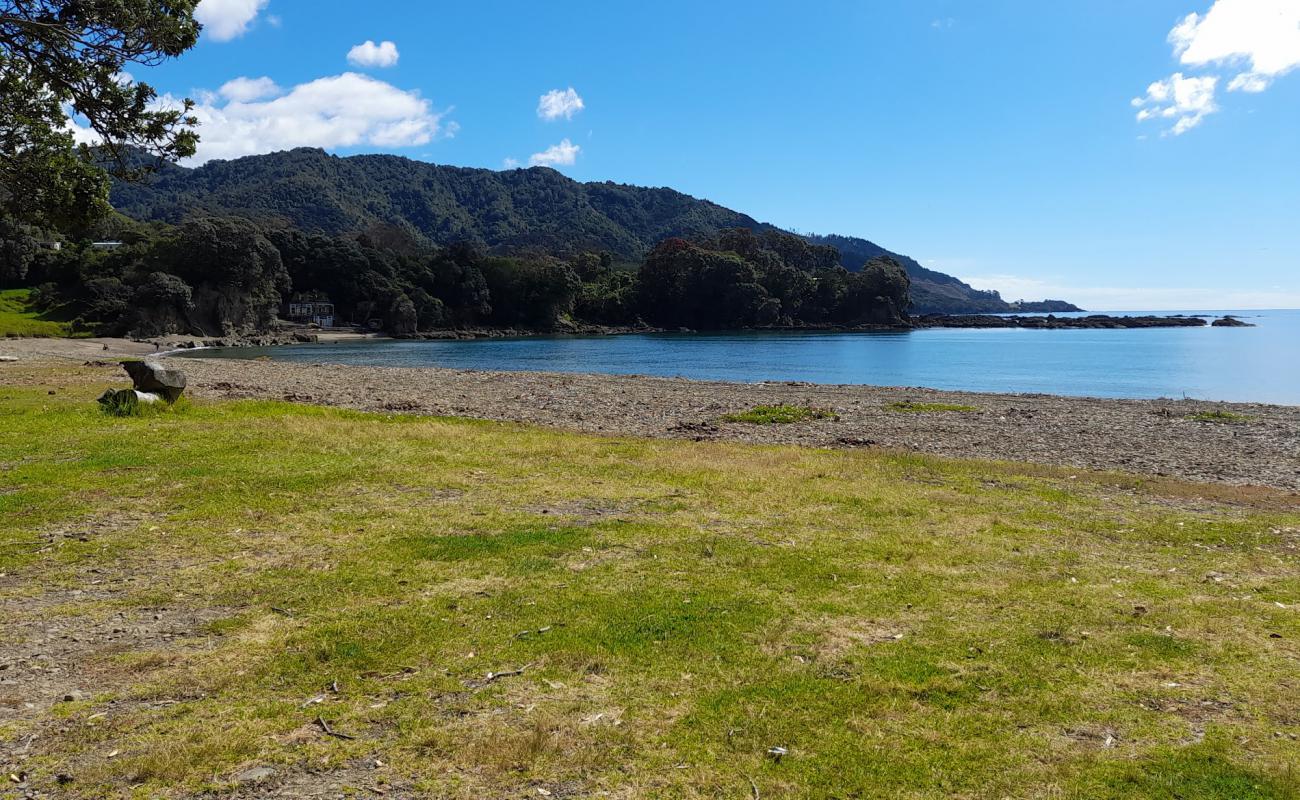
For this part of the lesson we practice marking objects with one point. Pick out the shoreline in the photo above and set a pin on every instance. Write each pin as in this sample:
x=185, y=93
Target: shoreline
x=1162, y=438
x=1151, y=437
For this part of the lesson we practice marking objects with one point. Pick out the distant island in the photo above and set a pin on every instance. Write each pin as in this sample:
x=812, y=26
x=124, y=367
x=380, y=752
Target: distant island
x=406, y=247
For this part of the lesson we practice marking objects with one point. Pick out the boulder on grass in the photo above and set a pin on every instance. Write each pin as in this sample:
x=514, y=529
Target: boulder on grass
x=153, y=379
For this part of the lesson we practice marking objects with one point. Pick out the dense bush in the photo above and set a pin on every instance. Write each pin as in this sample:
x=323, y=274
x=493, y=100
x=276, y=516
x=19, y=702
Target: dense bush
x=230, y=276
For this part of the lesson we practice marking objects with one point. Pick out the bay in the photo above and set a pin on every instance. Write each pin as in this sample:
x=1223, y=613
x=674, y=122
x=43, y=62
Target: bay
x=1259, y=364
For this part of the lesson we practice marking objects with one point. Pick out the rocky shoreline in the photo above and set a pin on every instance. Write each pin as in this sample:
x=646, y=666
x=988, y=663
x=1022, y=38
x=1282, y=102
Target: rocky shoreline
x=1048, y=322
x=1233, y=443
x=1052, y=322
x=1230, y=443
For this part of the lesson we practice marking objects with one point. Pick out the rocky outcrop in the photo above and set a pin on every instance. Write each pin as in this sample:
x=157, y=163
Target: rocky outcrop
x=1231, y=322
x=149, y=378
x=1051, y=322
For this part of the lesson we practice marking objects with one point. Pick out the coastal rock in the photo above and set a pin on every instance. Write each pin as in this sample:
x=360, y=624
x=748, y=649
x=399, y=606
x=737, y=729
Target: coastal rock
x=1230, y=322
x=154, y=379
x=1052, y=322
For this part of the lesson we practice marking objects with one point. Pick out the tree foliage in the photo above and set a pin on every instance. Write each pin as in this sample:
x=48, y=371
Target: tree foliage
x=393, y=201
x=223, y=276
x=61, y=56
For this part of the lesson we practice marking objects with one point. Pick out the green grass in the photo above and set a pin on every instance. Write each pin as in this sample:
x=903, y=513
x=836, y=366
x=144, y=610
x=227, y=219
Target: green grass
x=778, y=415
x=909, y=407
x=121, y=404
x=906, y=626
x=1221, y=417
x=18, y=318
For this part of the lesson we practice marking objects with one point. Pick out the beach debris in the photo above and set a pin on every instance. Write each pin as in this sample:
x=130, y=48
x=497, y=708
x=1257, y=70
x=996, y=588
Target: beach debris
x=152, y=378
x=496, y=676
x=8, y=359
x=328, y=731
x=776, y=752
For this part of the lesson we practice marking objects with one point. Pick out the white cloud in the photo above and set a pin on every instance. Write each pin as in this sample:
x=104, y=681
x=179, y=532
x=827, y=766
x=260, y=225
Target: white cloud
x=562, y=154
x=1248, y=82
x=1255, y=41
x=82, y=133
x=1261, y=34
x=243, y=90
x=369, y=54
x=1182, y=99
x=555, y=104
x=943, y=23
x=509, y=163
x=224, y=20
x=337, y=111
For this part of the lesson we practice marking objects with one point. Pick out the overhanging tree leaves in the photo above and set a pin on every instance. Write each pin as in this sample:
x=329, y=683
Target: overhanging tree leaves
x=61, y=55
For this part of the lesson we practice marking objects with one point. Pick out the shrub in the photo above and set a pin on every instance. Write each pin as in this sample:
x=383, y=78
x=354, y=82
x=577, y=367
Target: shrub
x=909, y=407
x=779, y=415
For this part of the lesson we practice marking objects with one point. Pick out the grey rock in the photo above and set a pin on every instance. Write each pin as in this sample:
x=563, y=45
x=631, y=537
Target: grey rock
x=254, y=775
x=151, y=378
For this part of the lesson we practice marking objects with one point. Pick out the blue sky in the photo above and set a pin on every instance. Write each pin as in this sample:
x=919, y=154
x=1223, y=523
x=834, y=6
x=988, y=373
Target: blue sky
x=998, y=140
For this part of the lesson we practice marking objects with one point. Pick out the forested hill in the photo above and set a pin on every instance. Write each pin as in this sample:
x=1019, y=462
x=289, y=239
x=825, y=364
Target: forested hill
x=521, y=210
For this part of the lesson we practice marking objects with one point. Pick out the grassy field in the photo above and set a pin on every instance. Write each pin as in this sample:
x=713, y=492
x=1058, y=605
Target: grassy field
x=18, y=318
x=496, y=611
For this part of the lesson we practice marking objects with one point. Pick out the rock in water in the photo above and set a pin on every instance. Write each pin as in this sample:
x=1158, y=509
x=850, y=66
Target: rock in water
x=1230, y=322
x=151, y=378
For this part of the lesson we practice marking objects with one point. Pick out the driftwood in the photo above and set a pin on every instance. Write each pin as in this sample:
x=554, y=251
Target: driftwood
x=325, y=726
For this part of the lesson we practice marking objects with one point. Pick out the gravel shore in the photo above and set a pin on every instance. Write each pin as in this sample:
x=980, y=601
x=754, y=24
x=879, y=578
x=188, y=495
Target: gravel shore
x=1151, y=437
x=1155, y=437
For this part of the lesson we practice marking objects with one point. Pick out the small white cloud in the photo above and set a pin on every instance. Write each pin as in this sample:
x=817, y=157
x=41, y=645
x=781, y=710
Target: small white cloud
x=556, y=103
x=1249, y=82
x=274, y=20
x=243, y=90
x=943, y=24
x=1180, y=98
x=344, y=110
x=509, y=163
x=224, y=20
x=563, y=154
x=369, y=54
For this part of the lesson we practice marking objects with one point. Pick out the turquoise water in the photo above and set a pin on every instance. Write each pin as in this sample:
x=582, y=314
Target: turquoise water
x=1259, y=364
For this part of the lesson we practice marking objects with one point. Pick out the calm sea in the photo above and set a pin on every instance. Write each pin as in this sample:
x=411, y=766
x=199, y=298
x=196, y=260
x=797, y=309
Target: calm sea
x=1241, y=364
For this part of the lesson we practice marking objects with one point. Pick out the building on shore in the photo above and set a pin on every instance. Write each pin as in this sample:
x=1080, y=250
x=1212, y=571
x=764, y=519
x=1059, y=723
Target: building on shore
x=312, y=312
